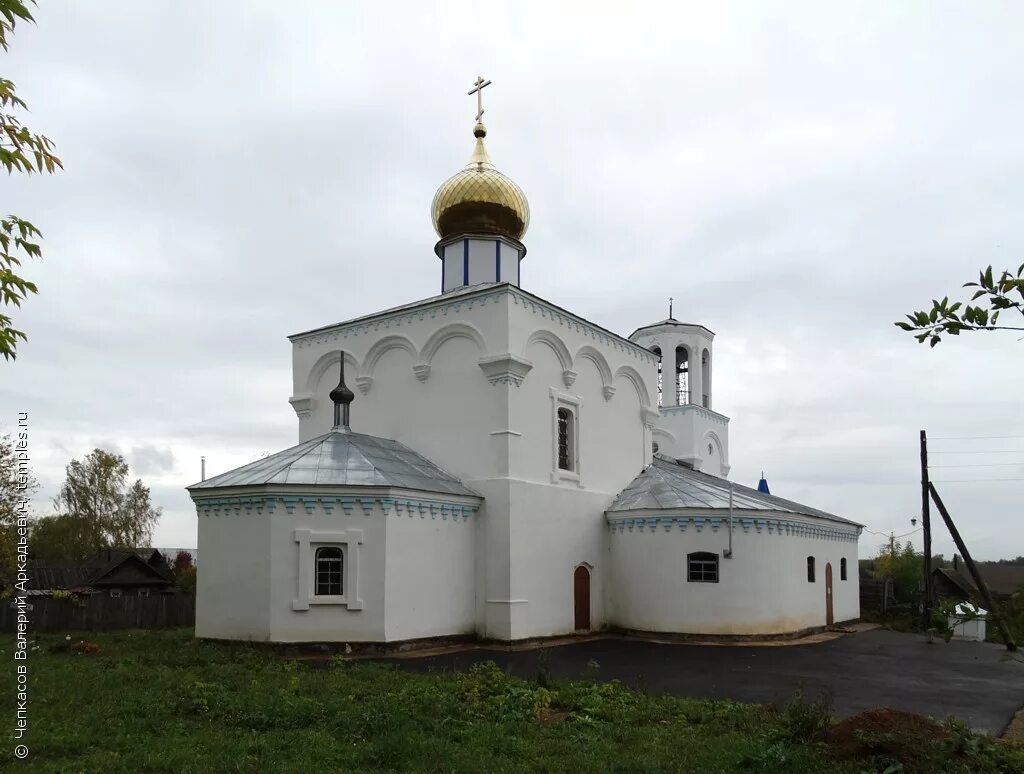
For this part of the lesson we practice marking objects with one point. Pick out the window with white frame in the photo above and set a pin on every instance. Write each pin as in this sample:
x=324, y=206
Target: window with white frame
x=565, y=426
x=330, y=565
x=328, y=571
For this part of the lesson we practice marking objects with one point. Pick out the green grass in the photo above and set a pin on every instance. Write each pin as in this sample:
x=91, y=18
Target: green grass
x=162, y=701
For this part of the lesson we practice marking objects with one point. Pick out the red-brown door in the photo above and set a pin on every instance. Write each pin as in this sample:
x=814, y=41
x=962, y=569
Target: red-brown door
x=581, y=597
x=828, y=594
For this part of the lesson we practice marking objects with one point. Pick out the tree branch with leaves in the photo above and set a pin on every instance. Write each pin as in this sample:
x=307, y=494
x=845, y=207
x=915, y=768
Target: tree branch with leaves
x=24, y=152
x=998, y=295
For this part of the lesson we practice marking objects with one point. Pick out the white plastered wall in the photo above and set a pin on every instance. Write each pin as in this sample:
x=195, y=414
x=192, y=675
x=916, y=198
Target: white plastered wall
x=762, y=589
x=556, y=520
x=328, y=623
x=430, y=574
x=233, y=588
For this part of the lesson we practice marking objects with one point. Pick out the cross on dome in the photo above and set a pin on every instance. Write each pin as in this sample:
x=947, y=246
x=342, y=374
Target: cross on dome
x=478, y=89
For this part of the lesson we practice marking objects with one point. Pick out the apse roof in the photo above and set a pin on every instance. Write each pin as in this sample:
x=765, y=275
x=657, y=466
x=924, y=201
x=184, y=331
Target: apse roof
x=343, y=458
x=668, y=485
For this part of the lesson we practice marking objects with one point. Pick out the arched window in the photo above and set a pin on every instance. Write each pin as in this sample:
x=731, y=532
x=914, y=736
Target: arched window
x=657, y=352
x=842, y=568
x=702, y=567
x=566, y=436
x=330, y=564
x=810, y=569
x=682, y=375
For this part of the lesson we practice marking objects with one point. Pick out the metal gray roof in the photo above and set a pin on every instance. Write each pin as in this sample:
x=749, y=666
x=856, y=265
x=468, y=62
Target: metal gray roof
x=344, y=458
x=667, y=485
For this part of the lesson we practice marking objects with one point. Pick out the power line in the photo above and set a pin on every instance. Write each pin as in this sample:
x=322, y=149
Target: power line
x=978, y=451
x=972, y=480
x=895, y=537
x=975, y=437
x=979, y=465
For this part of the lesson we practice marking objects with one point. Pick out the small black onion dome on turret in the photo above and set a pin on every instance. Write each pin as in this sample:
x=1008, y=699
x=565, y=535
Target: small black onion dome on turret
x=342, y=397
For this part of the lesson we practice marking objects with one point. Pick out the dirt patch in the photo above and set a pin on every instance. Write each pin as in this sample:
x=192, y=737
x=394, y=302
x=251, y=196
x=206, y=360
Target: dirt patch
x=552, y=716
x=910, y=739
x=1015, y=731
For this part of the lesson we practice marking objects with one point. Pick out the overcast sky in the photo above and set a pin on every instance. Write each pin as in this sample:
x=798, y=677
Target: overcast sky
x=798, y=176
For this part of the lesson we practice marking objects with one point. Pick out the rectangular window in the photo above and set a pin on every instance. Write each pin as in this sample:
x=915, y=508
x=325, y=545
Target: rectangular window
x=810, y=569
x=565, y=439
x=702, y=567
x=842, y=568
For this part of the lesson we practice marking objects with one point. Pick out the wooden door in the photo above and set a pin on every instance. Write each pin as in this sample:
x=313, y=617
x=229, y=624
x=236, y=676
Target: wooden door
x=828, y=594
x=581, y=597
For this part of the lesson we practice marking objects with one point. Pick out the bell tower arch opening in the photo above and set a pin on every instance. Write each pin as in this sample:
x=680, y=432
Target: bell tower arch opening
x=705, y=372
x=656, y=351
x=682, y=375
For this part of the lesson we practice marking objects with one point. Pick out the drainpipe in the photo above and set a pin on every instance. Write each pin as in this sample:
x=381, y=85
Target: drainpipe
x=728, y=552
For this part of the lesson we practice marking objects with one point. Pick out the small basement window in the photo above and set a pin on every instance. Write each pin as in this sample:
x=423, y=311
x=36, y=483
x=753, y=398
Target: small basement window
x=842, y=568
x=702, y=567
x=810, y=569
x=329, y=564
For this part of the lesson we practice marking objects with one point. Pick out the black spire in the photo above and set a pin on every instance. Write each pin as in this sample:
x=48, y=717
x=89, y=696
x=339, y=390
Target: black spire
x=342, y=397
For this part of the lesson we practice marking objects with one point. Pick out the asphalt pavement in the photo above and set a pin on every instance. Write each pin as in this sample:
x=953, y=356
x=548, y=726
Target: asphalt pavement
x=977, y=682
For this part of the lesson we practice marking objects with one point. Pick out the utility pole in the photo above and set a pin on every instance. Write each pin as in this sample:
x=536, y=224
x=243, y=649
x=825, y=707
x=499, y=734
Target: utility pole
x=926, y=525
x=986, y=596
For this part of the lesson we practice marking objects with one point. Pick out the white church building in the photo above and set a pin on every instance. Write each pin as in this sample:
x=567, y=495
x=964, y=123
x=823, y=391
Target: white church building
x=493, y=465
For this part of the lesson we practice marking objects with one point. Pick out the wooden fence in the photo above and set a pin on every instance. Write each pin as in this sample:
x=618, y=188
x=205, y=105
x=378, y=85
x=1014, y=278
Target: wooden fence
x=101, y=612
x=875, y=595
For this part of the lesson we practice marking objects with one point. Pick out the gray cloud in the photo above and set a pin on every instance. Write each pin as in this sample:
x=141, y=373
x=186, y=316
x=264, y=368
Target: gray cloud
x=148, y=459
x=797, y=178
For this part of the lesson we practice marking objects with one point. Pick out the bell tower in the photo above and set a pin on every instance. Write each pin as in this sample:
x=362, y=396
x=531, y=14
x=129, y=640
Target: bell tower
x=688, y=428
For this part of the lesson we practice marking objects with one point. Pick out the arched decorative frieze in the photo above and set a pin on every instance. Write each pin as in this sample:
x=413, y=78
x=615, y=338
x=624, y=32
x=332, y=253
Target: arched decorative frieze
x=384, y=345
x=455, y=330
x=633, y=376
x=327, y=360
x=599, y=361
x=555, y=343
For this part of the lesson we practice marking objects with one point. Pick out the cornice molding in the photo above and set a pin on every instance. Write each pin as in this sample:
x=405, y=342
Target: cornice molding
x=287, y=503
x=714, y=416
x=759, y=524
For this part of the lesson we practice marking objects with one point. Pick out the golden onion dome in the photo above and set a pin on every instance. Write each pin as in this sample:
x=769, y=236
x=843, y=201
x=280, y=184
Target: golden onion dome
x=480, y=199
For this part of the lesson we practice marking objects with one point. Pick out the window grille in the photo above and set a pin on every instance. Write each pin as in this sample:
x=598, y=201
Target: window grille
x=702, y=567
x=329, y=566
